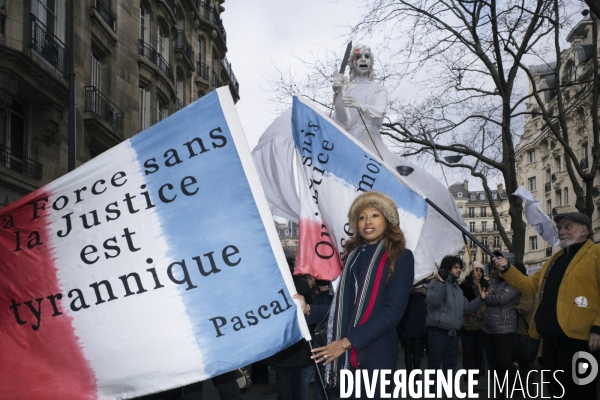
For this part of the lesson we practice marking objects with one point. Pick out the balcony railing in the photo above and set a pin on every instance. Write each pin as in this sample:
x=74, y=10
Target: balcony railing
x=202, y=70
x=18, y=162
x=104, y=109
x=232, y=79
x=47, y=45
x=547, y=187
x=150, y=53
x=184, y=45
x=163, y=65
x=104, y=10
x=208, y=13
x=215, y=80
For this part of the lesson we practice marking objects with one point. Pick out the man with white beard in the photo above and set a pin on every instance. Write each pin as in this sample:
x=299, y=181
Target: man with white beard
x=568, y=314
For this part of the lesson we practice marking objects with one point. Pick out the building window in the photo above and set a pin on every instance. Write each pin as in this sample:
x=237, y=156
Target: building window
x=533, y=243
x=202, y=51
x=144, y=107
x=486, y=258
x=496, y=242
x=483, y=211
x=484, y=241
x=559, y=198
x=483, y=226
x=584, y=148
x=96, y=77
x=160, y=110
x=215, y=64
x=474, y=256
x=558, y=163
x=473, y=196
x=471, y=226
x=482, y=196
x=531, y=156
x=51, y=13
x=144, y=25
x=160, y=45
x=471, y=212
x=15, y=136
x=548, y=207
x=532, y=184
x=566, y=194
x=569, y=73
x=179, y=87
x=473, y=245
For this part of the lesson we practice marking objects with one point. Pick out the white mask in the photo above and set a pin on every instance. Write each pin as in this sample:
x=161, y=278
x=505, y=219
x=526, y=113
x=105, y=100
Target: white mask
x=361, y=62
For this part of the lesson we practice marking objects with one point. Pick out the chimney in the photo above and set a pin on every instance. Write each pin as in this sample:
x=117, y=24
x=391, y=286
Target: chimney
x=466, y=184
x=500, y=188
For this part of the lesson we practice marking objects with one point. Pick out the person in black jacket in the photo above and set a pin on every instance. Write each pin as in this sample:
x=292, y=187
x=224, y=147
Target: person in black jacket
x=413, y=328
x=289, y=362
x=471, y=335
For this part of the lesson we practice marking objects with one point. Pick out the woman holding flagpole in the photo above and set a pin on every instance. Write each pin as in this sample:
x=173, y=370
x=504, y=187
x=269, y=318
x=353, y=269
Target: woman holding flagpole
x=372, y=295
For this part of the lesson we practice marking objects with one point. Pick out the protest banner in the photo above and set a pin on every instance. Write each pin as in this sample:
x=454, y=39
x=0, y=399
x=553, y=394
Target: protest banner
x=154, y=265
x=334, y=168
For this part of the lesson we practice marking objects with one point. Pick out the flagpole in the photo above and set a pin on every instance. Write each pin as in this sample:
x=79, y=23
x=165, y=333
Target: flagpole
x=460, y=227
x=319, y=372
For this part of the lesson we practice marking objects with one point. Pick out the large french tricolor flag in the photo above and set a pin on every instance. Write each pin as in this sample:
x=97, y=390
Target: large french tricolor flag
x=334, y=168
x=152, y=266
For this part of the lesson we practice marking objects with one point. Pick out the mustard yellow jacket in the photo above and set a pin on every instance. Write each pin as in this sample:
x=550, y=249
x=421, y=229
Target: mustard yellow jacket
x=581, y=279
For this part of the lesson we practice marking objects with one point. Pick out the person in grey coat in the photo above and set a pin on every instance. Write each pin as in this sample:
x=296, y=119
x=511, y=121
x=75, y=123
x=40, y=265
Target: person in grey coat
x=446, y=305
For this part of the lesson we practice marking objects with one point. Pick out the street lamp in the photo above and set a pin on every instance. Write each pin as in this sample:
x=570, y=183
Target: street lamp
x=453, y=159
x=404, y=170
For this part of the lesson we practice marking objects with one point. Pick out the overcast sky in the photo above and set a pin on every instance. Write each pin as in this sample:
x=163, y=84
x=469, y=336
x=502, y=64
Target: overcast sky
x=265, y=34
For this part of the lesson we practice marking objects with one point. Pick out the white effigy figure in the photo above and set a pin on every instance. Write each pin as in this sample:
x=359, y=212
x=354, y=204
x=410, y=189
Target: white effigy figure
x=362, y=97
x=274, y=158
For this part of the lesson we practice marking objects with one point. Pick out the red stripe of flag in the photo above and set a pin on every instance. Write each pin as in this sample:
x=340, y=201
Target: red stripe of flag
x=47, y=363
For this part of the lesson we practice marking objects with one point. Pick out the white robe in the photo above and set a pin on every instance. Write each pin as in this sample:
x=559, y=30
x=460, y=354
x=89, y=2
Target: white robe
x=274, y=159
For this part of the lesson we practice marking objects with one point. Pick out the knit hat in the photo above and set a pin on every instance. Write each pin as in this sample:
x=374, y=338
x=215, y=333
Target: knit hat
x=477, y=264
x=373, y=199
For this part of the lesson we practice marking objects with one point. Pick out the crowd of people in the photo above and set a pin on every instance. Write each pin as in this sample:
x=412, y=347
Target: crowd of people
x=508, y=323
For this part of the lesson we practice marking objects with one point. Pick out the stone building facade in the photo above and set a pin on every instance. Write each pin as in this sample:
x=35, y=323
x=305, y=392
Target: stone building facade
x=288, y=235
x=540, y=157
x=135, y=63
x=477, y=214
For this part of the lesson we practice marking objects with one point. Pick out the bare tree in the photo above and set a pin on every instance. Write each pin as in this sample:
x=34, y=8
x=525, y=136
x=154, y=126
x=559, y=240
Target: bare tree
x=471, y=52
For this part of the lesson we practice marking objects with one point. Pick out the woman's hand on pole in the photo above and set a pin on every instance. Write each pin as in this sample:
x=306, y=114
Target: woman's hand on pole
x=333, y=350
